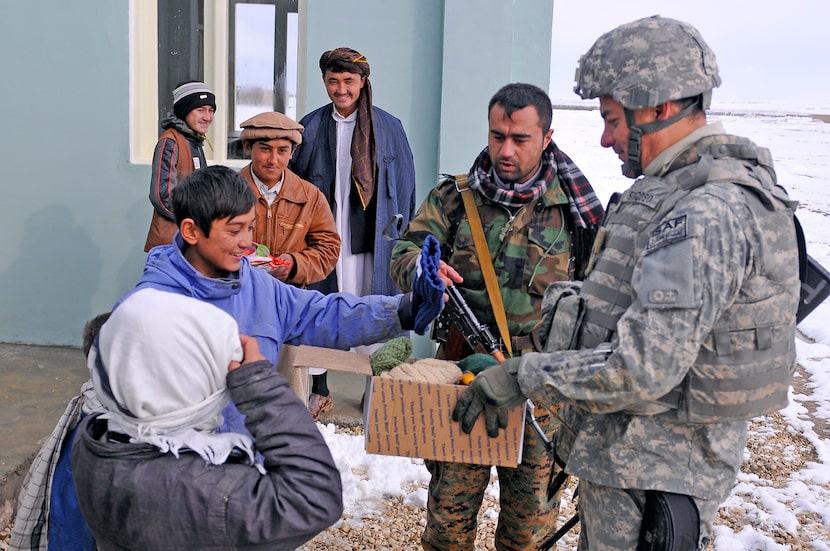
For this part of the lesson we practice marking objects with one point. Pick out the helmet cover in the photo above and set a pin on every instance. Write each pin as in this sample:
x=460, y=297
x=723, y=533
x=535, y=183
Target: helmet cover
x=648, y=62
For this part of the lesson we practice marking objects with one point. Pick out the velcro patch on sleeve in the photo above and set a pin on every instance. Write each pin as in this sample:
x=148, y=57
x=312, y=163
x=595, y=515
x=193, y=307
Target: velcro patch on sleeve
x=666, y=277
x=669, y=231
x=663, y=297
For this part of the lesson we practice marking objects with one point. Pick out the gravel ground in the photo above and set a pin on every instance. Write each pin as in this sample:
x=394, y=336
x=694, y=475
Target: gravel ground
x=400, y=526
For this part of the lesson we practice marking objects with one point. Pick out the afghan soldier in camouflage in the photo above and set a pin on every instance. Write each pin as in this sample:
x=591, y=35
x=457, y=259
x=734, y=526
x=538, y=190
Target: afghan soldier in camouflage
x=540, y=215
x=687, y=314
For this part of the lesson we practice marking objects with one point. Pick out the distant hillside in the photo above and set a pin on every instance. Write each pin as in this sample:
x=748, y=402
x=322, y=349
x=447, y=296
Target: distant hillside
x=738, y=110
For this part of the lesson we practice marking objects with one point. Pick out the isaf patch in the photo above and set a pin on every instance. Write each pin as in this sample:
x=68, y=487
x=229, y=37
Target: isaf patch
x=667, y=232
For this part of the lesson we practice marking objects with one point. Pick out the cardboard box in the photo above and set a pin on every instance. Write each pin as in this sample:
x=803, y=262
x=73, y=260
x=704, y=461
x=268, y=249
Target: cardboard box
x=414, y=419
x=337, y=360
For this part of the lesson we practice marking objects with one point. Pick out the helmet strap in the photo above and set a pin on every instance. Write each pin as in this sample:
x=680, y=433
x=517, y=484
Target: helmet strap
x=632, y=167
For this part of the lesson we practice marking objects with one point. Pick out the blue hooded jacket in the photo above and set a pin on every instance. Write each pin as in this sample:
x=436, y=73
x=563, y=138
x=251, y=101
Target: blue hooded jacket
x=264, y=307
x=274, y=312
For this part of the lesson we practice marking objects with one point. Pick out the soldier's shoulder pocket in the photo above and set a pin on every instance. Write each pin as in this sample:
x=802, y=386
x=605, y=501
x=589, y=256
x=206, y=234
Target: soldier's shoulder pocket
x=667, y=276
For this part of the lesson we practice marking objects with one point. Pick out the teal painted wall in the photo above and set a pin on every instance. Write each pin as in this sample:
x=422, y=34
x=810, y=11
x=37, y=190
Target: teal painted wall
x=74, y=210
x=435, y=65
x=487, y=44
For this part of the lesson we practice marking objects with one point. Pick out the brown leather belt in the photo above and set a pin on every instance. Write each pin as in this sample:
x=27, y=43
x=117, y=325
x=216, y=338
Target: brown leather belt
x=522, y=344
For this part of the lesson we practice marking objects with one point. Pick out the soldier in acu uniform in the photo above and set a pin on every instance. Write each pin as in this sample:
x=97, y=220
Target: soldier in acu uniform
x=539, y=215
x=684, y=327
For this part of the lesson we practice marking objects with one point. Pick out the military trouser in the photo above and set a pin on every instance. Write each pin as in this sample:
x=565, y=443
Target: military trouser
x=456, y=492
x=610, y=518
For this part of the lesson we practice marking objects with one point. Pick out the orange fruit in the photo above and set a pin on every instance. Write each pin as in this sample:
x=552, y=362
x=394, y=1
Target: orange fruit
x=467, y=378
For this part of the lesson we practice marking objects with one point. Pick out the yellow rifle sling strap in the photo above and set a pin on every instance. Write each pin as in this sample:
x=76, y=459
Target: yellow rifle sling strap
x=483, y=252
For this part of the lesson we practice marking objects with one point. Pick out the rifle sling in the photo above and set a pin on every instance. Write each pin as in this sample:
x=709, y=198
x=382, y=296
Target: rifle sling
x=484, y=259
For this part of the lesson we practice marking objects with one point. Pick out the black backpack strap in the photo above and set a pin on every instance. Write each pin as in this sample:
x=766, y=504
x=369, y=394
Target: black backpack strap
x=802, y=250
x=815, y=279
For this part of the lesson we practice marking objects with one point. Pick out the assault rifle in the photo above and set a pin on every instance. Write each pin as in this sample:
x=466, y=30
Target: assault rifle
x=478, y=336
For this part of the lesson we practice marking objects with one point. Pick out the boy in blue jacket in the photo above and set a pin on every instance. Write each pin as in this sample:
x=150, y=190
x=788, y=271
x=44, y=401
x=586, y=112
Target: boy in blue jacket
x=215, y=214
x=214, y=210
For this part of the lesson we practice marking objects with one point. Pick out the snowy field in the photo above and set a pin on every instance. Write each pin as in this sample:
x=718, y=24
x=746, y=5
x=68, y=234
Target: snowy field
x=775, y=507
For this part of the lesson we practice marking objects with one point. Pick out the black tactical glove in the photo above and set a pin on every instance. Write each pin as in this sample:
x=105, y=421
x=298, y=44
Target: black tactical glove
x=494, y=391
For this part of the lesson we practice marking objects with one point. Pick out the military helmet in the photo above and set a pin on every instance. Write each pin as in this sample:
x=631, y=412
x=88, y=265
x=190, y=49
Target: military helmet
x=648, y=62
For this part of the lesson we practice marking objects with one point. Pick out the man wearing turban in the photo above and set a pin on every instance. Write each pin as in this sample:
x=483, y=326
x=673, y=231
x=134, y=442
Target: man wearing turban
x=359, y=157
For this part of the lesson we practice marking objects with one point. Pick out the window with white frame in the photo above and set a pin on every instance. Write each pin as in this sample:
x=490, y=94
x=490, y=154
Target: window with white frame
x=245, y=50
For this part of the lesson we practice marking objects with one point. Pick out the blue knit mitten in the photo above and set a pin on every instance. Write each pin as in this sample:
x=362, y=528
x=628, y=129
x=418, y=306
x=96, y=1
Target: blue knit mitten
x=427, y=287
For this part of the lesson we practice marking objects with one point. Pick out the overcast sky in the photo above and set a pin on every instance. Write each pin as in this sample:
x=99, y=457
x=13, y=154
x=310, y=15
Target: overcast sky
x=777, y=52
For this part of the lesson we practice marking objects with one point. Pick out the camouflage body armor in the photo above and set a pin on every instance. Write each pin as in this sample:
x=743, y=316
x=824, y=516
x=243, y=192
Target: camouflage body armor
x=744, y=366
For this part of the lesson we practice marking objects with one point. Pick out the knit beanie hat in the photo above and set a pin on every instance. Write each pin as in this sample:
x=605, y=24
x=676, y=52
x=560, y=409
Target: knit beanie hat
x=427, y=370
x=190, y=96
x=391, y=354
x=271, y=126
x=476, y=363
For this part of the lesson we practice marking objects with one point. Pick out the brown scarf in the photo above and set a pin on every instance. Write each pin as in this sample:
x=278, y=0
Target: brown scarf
x=363, y=151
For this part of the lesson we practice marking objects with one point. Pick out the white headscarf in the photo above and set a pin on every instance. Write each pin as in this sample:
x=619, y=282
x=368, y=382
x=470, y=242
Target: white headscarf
x=159, y=368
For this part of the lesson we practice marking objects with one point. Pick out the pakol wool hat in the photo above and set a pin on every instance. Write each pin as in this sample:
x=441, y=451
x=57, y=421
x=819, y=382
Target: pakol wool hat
x=271, y=126
x=190, y=96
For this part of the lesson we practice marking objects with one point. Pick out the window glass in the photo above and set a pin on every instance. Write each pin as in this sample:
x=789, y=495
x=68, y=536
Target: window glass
x=291, y=57
x=263, y=61
x=245, y=50
x=253, y=61
x=181, y=47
